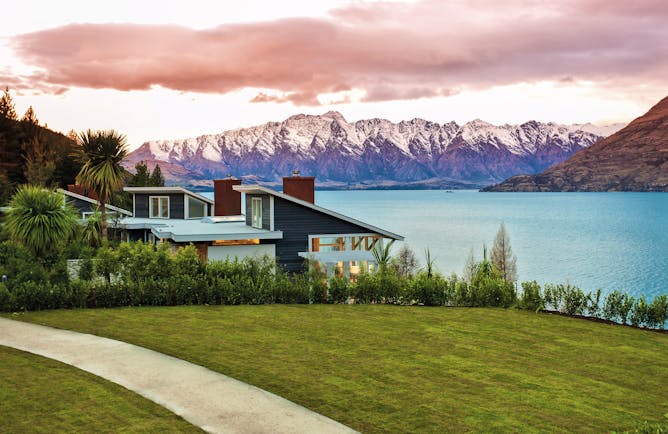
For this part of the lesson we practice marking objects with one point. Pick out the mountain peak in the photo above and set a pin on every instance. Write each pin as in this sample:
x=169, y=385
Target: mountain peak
x=634, y=158
x=334, y=115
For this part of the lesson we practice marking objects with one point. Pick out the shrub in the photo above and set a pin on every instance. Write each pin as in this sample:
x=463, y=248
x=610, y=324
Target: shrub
x=339, y=289
x=7, y=302
x=574, y=300
x=639, y=312
x=658, y=312
x=531, y=298
x=617, y=306
x=430, y=290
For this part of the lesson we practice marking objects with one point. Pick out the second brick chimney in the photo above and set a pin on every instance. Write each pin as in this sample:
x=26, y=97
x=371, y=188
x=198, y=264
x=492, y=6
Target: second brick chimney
x=300, y=187
x=226, y=200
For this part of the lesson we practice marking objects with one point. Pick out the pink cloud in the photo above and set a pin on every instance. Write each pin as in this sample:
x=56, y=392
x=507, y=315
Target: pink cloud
x=390, y=51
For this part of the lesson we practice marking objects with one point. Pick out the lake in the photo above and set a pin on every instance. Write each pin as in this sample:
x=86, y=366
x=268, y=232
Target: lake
x=592, y=240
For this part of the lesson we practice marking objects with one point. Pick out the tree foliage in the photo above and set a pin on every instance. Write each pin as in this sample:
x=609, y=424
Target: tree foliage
x=41, y=220
x=502, y=256
x=101, y=153
x=157, y=180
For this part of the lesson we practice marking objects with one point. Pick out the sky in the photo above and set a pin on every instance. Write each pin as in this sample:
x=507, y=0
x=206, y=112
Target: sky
x=175, y=69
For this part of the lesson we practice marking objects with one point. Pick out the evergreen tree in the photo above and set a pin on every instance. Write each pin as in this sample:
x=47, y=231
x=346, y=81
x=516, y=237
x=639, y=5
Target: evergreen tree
x=157, y=179
x=40, y=162
x=30, y=117
x=502, y=255
x=10, y=139
x=142, y=177
x=7, y=106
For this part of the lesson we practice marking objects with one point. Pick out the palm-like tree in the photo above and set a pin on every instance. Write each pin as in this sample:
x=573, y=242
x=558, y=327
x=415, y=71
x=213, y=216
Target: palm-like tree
x=101, y=153
x=40, y=219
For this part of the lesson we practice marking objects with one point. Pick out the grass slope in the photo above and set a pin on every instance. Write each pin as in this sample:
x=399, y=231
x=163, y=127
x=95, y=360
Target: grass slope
x=40, y=395
x=413, y=369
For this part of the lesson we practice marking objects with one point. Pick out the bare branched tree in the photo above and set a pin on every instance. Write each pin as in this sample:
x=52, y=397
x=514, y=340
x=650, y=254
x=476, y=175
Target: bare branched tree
x=502, y=255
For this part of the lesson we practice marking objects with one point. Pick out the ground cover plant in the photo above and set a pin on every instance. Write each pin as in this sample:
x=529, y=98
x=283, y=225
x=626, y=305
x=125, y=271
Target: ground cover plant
x=384, y=368
x=40, y=395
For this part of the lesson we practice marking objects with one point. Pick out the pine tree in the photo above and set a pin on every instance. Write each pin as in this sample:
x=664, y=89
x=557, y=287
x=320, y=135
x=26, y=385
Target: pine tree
x=7, y=106
x=40, y=162
x=142, y=177
x=30, y=117
x=157, y=179
x=502, y=255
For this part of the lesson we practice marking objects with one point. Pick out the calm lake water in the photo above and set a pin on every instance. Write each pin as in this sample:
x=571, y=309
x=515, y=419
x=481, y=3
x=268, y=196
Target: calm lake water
x=592, y=240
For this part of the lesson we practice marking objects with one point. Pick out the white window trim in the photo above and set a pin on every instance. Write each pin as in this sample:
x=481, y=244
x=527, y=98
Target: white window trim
x=150, y=206
x=186, y=205
x=271, y=213
x=254, y=202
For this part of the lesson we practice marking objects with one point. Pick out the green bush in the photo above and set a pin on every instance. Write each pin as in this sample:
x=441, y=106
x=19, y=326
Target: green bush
x=531, y=298
x=657, y=312
x=7, y=302
x=339, y=289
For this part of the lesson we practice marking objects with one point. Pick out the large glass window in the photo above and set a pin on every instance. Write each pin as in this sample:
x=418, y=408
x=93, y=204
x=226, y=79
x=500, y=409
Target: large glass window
x=196, y=208
x=256, y=212
x=159, y=207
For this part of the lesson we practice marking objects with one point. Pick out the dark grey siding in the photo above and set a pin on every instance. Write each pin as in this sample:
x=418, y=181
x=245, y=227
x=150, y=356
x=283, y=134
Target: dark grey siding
x=81, y=205
x=175, y=205
x=297, y=223
x=266, y=212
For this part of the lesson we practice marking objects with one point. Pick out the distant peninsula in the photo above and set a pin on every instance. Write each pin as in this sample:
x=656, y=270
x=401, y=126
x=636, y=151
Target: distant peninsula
x=632, y=159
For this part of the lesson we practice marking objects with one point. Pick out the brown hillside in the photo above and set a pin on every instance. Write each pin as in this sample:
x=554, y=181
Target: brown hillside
x=633, y=159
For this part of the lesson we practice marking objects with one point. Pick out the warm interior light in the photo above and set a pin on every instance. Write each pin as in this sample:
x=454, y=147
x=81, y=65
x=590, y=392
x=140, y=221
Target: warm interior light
x=236, y=242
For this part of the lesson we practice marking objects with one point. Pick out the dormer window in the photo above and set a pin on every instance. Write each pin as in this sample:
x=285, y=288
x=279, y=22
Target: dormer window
x=256, y=212
x=159, y=207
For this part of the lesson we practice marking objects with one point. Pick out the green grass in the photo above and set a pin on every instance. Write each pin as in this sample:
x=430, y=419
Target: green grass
x=413, y=369
x=40, y=395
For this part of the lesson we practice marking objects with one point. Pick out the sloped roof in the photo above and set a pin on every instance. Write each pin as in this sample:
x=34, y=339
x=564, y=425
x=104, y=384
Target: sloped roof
x=259, y=189
x=93, y=201
x=167, y=190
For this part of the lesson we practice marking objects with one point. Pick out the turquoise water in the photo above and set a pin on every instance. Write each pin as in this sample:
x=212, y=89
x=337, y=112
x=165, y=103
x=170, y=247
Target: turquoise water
x=592, y=240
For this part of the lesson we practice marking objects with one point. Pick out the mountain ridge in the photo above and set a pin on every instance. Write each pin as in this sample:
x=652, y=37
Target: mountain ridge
x=634, y=158
x=369, y=153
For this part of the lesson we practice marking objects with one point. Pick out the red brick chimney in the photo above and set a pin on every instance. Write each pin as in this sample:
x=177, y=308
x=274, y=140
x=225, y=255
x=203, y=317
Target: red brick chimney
x=226, y=201
x=301, y=187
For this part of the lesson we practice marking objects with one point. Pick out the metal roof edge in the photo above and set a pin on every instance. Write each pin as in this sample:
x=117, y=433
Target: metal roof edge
x=91, y=200
x=149, y=190
x=246, y=188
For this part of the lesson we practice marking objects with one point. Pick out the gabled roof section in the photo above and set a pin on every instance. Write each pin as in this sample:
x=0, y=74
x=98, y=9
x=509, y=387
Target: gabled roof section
x=258, y=189
x=93, y=201
x=167, y=190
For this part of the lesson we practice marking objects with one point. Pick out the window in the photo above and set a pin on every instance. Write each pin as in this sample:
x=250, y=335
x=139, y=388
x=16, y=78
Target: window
x=196, y=208
x=159, y=207
x=256, y=212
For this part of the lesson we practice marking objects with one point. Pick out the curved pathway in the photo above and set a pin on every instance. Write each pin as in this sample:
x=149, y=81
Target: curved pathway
x=207, y=399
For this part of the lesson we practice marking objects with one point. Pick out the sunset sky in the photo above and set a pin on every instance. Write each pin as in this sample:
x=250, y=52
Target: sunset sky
x=166, y=69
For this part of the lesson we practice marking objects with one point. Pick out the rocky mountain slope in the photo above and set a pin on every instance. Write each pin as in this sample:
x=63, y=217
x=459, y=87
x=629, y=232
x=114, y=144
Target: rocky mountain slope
x=633, y=159
x=370, y=153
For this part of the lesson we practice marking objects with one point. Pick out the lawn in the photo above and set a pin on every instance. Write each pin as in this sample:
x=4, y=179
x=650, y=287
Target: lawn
x=40, y=395
x=413, y=369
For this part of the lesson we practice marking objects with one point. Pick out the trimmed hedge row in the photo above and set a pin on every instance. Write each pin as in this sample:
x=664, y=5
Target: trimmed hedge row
x=138, y=274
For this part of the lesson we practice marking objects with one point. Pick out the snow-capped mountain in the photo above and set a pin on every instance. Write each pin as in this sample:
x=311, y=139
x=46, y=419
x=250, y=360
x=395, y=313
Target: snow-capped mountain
x=372, y=152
